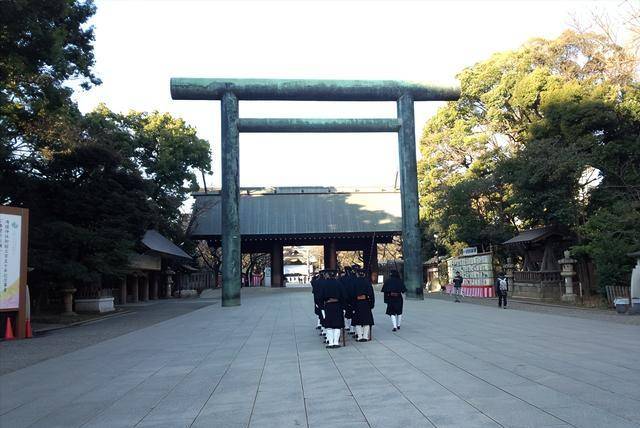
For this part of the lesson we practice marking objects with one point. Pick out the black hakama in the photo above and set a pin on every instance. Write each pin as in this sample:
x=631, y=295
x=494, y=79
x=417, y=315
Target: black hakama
x=362, y=314
x=393, y=289
x=334, y=317
x=362, y=307
x=394, y=305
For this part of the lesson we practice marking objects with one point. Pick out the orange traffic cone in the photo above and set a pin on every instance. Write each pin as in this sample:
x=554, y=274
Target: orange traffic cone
x=8, y=333
x=27, y=330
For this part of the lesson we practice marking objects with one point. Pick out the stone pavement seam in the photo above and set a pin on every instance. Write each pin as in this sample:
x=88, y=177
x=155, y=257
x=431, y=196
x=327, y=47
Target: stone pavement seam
x=483, y=380
x=533, y=381
x=394, y=385
x=311, y=319
x=227, y=368
x=477, y=321
x=264, y=363
x=92, y=390
x=532, y=364
x=141, y=382
x=435, y=380
x=558, y=372
x=295, y=336
x=195, y=367
x=346, y=384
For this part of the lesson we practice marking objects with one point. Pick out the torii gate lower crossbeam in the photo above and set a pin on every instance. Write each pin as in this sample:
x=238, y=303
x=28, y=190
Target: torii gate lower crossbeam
x=229, y=91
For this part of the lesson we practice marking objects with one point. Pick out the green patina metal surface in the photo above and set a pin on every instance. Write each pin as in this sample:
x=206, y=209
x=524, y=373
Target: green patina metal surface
x=319, y=125
x=309, y=90
x=230, y=195
x=411, y=245
x=229, y=91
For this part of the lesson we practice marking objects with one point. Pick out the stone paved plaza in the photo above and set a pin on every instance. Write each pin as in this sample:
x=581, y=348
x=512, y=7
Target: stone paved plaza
x=263, y=365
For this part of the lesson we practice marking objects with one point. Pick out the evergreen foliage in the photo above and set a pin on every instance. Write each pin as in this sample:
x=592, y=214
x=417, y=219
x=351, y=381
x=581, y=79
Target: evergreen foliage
x=548, y=134
x=94, y=183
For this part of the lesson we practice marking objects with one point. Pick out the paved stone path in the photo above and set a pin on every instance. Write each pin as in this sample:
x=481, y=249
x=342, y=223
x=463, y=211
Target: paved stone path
x=263, y=365
x=597, y=314
x=17, y=354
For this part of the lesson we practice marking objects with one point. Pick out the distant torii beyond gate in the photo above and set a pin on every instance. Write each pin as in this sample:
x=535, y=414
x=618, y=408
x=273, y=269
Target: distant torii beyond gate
x=229, y=91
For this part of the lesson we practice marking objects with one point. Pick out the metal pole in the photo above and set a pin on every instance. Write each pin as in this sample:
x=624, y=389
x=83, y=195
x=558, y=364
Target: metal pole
x=230, y=197
x=411, y=250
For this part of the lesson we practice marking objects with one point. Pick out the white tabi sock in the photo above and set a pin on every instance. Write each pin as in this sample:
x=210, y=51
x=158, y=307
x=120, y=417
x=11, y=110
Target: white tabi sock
x=347, y=323
x=336, y=336
x=358, y=332
x=365, y=331
x=352, y=329
x=393, y=321
x=399, y=319
x=318, y=321
x=329, y=336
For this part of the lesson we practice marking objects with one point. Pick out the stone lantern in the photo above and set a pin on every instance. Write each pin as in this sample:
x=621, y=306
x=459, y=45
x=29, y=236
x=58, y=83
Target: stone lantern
x=634, y=291
x=567, y=273
x=67, y=297
x=169, y=274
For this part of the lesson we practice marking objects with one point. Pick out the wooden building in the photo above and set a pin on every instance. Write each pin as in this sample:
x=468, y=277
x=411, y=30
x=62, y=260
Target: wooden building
x=337, y=219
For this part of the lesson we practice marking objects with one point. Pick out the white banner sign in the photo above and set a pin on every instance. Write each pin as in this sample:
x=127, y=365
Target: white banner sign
x=476, y=270
x=10, y=239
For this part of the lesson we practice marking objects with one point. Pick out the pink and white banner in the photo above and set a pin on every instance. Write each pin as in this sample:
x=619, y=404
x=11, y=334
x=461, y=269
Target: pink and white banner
x=474, y=290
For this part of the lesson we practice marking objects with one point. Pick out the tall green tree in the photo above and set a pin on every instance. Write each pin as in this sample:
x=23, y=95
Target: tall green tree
x=93, y=183
x=536, y=135
x=43, y=45
x=166, y=151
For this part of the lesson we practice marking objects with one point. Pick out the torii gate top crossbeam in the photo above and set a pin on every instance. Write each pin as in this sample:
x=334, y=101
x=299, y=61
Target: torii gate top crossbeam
x=309, y=90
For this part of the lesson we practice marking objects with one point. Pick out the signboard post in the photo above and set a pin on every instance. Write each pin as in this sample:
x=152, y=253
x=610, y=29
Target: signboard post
x=14, y=228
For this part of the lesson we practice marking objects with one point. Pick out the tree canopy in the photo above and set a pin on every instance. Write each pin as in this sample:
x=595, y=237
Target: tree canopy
x=547, y=134
x=94, y=183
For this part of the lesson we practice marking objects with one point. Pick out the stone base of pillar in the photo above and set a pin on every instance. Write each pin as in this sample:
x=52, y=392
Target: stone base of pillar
x=569, y=298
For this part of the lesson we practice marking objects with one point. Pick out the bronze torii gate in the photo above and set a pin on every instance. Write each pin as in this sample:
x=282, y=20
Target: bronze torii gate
x=229, y=91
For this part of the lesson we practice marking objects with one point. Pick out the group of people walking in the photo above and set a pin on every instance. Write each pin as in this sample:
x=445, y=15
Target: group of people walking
x=344, y=300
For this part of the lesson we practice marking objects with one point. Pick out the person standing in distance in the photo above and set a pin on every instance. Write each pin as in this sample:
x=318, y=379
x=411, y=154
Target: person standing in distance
x=393, y=288
x=502, y=288
x=457, y=286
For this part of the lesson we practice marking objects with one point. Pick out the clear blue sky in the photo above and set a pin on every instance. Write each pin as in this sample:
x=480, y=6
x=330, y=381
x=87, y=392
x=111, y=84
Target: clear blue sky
x=141, y=44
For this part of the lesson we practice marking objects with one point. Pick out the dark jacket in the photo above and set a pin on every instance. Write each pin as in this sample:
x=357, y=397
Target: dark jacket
x=362, y=286
x=362, y=307
x=457, y=281
x=393, y=285
x=330, y=289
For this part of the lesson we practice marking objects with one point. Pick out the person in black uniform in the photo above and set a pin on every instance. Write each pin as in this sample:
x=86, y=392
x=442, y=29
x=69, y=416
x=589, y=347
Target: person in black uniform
x=320, y=284
x=332, y=303
x=364, y=302
x=393, y=288
x=316, y=308
x=347, y=281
